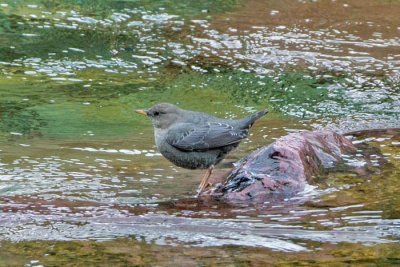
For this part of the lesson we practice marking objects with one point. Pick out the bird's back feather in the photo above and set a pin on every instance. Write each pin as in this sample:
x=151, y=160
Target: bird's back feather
x=205, y=136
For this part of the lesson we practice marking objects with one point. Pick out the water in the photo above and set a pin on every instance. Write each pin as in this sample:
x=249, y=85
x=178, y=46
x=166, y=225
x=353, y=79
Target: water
x=77, y=165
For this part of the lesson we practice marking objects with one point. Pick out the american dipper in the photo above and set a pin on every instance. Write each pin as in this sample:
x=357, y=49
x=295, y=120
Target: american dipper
x=196, y=140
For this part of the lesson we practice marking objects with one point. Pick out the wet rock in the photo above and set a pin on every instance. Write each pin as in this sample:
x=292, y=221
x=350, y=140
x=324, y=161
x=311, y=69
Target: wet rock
x=282, y=168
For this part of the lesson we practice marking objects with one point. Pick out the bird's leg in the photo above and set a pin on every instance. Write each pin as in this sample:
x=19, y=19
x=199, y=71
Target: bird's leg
x=204, y=181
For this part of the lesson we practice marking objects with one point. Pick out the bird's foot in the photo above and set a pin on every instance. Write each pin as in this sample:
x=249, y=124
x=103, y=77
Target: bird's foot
x=201, y=190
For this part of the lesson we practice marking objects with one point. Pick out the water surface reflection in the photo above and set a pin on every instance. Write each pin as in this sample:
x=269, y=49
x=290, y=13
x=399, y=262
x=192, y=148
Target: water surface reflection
x=77, y=164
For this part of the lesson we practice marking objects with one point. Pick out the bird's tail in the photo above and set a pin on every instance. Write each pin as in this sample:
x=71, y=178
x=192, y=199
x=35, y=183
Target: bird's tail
x=248, y=121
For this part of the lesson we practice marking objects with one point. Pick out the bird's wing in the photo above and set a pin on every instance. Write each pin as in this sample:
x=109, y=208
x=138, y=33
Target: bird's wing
x=205, y=136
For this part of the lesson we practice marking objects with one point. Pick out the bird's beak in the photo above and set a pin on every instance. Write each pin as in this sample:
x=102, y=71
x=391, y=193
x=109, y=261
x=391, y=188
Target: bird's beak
x=141, y=112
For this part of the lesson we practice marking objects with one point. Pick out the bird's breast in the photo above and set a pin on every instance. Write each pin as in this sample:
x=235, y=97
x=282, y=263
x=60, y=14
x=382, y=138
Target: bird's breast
x=159, y=136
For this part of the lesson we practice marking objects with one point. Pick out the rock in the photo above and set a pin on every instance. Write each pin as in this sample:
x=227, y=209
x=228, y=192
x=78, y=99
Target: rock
x=282, y=168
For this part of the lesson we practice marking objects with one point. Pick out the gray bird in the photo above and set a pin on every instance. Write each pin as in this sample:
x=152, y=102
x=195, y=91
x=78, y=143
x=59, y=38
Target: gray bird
x=196, y=140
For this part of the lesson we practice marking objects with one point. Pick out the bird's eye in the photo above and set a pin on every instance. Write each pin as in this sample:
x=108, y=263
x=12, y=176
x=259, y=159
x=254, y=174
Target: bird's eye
x=156, y=113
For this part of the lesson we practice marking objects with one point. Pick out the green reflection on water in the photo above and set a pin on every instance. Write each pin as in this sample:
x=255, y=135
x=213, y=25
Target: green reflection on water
x=94, y=42
x=102, y=7
x=129, y=252
x=68, y=109
x=16, y=117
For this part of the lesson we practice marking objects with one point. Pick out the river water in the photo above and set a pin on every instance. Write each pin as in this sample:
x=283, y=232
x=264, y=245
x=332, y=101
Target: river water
x=82, y=183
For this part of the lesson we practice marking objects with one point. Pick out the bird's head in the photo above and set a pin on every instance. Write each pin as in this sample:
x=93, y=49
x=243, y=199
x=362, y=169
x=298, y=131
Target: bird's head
x=162, y=115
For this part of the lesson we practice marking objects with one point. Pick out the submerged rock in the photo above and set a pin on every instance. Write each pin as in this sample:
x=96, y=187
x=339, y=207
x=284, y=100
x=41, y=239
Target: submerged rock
x=283, y=167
